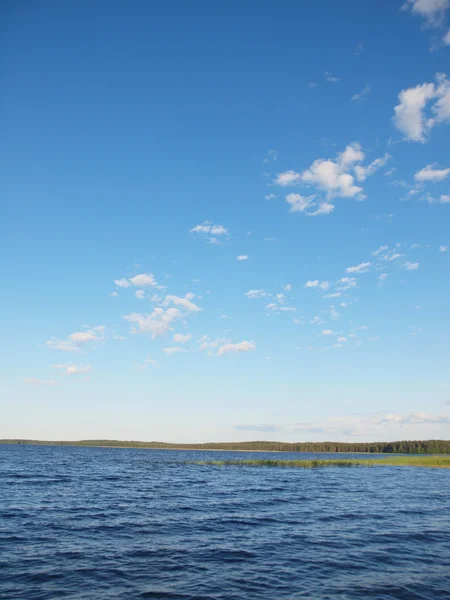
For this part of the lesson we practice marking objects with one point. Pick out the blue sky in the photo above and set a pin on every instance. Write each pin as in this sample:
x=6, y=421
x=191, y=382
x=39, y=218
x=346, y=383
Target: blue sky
x=225, y=221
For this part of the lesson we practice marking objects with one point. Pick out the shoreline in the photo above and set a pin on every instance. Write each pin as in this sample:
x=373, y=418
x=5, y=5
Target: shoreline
x=178, y=448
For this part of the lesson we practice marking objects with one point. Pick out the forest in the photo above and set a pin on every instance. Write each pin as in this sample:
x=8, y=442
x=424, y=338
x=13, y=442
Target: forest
x=400, y=447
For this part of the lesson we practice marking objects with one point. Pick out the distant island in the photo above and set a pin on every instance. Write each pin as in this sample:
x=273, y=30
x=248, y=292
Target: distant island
x=401, y=447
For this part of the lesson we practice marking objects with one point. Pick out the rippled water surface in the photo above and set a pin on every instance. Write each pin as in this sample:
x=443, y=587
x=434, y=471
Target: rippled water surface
x=106, y=523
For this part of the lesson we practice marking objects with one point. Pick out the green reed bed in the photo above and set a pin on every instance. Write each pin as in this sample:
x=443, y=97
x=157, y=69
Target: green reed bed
x=395, y=461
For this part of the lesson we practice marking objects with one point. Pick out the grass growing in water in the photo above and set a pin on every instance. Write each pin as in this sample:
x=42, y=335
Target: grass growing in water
x=394, y=461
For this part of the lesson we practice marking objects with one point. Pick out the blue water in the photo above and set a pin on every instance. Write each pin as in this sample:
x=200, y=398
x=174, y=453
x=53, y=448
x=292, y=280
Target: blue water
x=106, y=523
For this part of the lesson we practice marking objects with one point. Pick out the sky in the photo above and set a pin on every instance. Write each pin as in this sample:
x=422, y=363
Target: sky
x=225, y=221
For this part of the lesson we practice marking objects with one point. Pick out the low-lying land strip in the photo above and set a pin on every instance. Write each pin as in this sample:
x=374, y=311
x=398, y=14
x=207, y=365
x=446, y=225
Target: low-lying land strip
x=401, y=447
x=393, y=461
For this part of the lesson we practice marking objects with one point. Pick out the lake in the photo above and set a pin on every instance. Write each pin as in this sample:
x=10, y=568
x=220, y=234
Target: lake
x=106, y=523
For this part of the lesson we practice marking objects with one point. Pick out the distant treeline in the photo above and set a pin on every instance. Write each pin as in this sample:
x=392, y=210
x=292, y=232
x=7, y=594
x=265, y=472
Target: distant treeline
x=405, y=447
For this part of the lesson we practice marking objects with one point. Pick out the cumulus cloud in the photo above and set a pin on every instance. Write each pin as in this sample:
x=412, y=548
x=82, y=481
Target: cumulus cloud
x=256, y=294
x=361, y=268
x=76, y=340
x=288, y=178
x=433, y=11
x=335, y=178
x=299, y=203
x=347, y=283
x=122, y=283
x=140, y=280
x=157, y=322
x=429, y=173
x=410, y=115
x=185, y=302
x=243, y=346
x=411, y=266
x=211, y=228
x=179, y=338
x=34, y=381
x=315, y=283
x=443, y=248
x=242, y=257
x=328, y=332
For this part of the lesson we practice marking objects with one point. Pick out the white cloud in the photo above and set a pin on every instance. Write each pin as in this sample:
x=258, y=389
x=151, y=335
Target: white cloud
x=324, y=209
x=433, y=11
x=316, y=321
x=299, y=203
x=288, y=178
x=207, y=344
x=331, y=78
x=342, y=339
x=151, y=361
x=410, y=117
x=411, y=266
x=77, y=339
x=363, y=172
x=210, y=228
x=242, y=257
x=323, y=285
x=140, y=294
x=335, y=178
x=71, y=369
x=382, y=276
x=143, y=280
x=429, y=173
x=157, y=322
x=78, y=369
x=328, y=332
x=363, y=93
x=185, y=302
x=287, y=287
x=270, y=196
x=361, y=268
x=256, y=294
x=179, y=338
x=444, y=248
x=114, y=294
x=332, y=295
x=174, y=350
x=446, y=38
x=347, y=283
x=272, y=306
x=444, y=199
x=334, y=314
x=122, y=283
x=34, y=381
x=243, y=346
